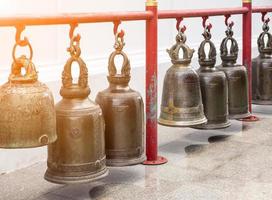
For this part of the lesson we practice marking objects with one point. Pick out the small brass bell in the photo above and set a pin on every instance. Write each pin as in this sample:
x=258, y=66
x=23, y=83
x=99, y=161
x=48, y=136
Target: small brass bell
x=236, y=76
x=214, y=87
x=27, y=114
x=181, y=98
x=79, y=153
x=262, y=70
x=123, y=111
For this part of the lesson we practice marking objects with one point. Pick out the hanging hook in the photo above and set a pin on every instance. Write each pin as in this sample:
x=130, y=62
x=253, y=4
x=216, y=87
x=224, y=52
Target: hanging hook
x=121, y=33
x=73, y=37
x=227, y=23
x=19, y=41
x=179, y=28
x=263, y=18
x=206, y=26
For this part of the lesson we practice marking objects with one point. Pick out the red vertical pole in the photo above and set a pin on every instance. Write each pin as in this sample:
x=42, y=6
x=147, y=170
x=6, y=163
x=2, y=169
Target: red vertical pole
x=247, y=35
x=151, y=86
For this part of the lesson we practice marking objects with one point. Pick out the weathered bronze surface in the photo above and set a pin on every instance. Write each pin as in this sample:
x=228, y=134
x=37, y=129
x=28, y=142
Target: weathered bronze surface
x=123, y=111
x=214, y=87
x=262, y=70
x=236, y=76
x=27, y=114
x=79, y=153
x=181, y=98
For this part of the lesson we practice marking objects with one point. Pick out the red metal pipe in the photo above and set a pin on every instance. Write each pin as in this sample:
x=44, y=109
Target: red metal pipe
x=261, y=9
x=247, y=35
x=151, y=88
x=164, y=14
x=75, y=18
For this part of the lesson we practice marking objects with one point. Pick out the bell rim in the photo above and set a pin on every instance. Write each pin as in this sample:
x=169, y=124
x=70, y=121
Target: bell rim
x=75, y=179
x=239, y=116
x=262, y=102
x=214, y=126
x=125, y=162
x=170, y=123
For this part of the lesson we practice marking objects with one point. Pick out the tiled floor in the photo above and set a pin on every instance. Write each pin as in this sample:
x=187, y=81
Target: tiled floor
x=233, y=163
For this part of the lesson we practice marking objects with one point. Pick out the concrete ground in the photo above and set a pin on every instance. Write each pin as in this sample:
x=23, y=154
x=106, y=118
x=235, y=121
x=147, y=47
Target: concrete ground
x=233, y=163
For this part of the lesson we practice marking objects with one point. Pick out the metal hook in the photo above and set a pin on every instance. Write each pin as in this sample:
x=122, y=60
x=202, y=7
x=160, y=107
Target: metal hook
x=206, y=26
x=73, y=37
x=267, y=20
x=121, y=33
x=227, y=23
x=180, y=29
x=19, y=41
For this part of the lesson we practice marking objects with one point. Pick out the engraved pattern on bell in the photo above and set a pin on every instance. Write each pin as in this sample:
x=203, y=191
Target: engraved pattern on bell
x=214, y=87
x=261, y=70
x=80, y=146
x=236, y=76
x=181, y=97
x=123, y=112
x=27, y=114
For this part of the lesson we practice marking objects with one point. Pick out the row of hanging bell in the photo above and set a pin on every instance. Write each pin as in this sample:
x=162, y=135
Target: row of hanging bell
x=78, y=155
x=262, y=69
x=222, y=92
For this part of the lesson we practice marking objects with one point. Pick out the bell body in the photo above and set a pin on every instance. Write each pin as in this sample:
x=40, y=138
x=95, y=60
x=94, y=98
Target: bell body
x=27, y=114
x=123, y=112
x=181, y=103
x=262, y=79
x=79, y=153
x=237, y=90
x=214, y=91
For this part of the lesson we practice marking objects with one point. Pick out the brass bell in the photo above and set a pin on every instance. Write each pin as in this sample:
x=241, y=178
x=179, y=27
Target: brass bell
x=79, y=153
x=181, y=103
x=214, y=88
x=236, y=76
x=261, y=70
x=123, y=111
x=27, y=114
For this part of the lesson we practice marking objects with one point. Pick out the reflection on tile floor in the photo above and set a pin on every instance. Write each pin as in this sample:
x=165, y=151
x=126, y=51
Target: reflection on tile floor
x=233, y=163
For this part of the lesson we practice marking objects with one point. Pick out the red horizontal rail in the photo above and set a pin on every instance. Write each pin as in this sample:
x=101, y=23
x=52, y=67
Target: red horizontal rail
x=75, y=18
x=261, y=9
x=165, y=14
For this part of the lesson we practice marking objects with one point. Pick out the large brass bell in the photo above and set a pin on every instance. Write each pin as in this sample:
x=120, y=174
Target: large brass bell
x=262, y=69
x=79, y=153
x=236, y=76
x=181, y=98
x=213, y=85
x=27, y=114
x=123, y=111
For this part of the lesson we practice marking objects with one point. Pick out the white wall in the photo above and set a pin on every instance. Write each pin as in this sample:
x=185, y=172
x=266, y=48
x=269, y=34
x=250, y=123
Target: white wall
x=50, y=43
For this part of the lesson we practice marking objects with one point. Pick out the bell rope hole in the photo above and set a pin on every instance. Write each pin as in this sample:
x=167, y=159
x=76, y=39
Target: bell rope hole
x=266, y=40
x=75, y=72
x=118, y=61
x=181, y=54
x=229, y=45
x=207, y=49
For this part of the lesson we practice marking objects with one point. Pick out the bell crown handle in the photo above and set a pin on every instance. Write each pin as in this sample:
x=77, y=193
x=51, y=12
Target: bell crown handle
x=265, y=47
x=232, y=54
x=180, y=45
x=207, y=59
x=114, y=76
x=31, y=75
x=81, y=88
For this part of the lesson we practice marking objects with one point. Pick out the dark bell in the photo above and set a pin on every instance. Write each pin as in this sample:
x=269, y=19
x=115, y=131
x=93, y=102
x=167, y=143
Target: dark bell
x=181, y=98
x=262, y=70
x=214, y=87
x=123, y=110
x=236, y=76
